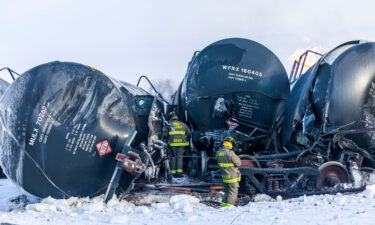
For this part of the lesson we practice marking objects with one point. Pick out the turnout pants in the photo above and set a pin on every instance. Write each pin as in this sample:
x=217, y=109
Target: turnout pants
x=230, y=196
x=177, y=161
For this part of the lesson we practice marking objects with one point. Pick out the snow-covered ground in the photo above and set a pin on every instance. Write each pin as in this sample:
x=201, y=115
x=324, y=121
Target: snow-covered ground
x=184, y=209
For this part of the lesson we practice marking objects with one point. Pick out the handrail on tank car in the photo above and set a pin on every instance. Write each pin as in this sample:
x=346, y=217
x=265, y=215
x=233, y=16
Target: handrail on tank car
x=299, y=65
x=11, y=72
x=152, y=86
x=192, y=60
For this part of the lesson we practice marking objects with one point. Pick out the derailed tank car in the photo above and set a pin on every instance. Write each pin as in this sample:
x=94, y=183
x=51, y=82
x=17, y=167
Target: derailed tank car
x=330, y=114
x=232, y=87
x=63, y=124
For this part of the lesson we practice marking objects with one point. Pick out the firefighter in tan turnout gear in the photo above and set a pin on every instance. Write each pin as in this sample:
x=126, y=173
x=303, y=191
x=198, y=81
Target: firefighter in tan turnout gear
x=178, y=140
x=228, y=162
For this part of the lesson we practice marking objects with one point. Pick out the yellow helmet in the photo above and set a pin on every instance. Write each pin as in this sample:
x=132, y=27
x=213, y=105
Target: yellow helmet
x=227, y=144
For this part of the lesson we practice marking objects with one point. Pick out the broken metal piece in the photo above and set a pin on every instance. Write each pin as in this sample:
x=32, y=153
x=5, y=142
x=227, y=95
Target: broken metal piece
x=113, y=184
x=131, y=162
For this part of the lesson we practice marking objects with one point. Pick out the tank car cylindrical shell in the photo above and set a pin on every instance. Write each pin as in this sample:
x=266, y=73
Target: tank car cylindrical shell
x=233, y=78
x=62, y=124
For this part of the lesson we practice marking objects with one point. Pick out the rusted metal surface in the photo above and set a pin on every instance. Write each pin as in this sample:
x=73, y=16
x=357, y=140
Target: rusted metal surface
x=331, y=174
x=131, y=162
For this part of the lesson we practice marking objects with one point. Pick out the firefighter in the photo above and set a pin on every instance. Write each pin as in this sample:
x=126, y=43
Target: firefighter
x=178, y=140
x=228, y=162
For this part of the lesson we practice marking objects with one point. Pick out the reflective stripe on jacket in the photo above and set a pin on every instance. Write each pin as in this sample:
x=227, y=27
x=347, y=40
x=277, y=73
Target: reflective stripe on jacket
x=178, y=134
x=234, y=180
x=228, y=162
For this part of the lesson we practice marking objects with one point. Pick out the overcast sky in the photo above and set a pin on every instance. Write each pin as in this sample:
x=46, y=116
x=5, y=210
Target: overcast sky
x=125, y=39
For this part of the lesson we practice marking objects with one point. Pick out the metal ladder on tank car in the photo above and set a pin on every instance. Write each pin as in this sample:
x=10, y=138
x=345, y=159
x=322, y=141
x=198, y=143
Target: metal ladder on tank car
x=299, y=66
x=11, y=72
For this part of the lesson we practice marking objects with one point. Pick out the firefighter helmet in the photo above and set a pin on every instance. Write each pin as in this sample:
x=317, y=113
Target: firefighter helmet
x=229, y=142
x=172, y=114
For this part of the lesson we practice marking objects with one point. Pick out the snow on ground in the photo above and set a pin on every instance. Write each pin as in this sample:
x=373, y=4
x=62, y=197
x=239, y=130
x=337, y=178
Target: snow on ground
x=184, y=209
x=7, y=191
